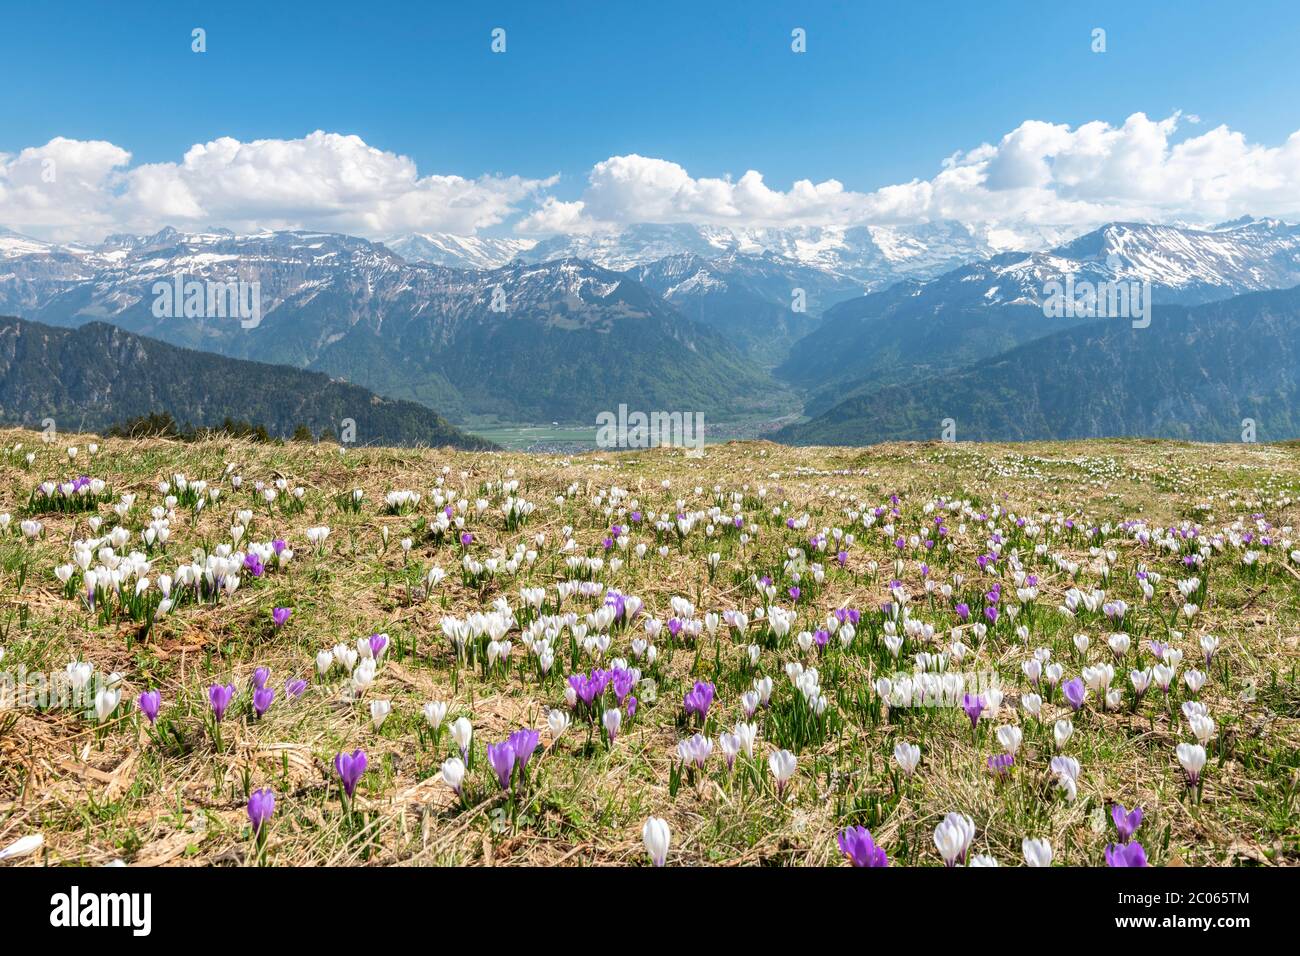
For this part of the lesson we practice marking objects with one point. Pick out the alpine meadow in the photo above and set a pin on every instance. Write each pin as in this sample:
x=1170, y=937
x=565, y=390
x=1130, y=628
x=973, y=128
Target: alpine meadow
x=760, y=436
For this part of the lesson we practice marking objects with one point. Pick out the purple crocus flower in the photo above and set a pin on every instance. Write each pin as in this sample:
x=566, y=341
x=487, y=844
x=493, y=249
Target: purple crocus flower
x=1075, y=692
x=278, y=545
x=524, y=743
x=631, y=707
x=856, y=844
x=1126, y=822
x=350, y=767
x=974, y=706
x=697, y=701
x=502, y=758
x=295, y=688
x=220, y=696
x=794, y=594
x=1001, y=764
x=262, y=698
x=615, y=600
x=377, y=644
x=585, y=689
x=253, y=564
x=260, y=676
x=623, y=684
x=280, y=615
x=963, y=612
x=466, y=539
x=1126, y=854
x=261, y=804
x=150, y=702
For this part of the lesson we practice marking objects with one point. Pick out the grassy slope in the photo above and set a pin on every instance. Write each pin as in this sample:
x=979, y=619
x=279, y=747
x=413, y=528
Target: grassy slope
x=99, y=797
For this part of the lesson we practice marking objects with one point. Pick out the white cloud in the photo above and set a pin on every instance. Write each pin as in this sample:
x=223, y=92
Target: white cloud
x=1039, y=173
x=322, y=181
x=624, y=189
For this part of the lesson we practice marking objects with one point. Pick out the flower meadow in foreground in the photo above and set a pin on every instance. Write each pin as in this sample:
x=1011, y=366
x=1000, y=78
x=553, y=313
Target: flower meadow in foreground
x=791, y=656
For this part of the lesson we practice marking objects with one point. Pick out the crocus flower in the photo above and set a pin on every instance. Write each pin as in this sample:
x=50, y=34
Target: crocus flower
x=1192, y=757
x=856, y=844
x=350, y=767
x=1001, y=764
x=261, y=804
x=260, y=676
x=150, y=702
x=1075, y=692
x=453, y=773
x=524, y=743
x=953, y=837
x=1037, y=852
x=973, y=704
x=280, y=615
x=907, y=756
x=1126, y=822
x=656, y=836
x=697, y=701
x=611, y=720
x=502, y=758
x=295, y=688
x=462, y=731
x=1126, y=854
x=220, y=696
x=262, y=698
x=782, y=763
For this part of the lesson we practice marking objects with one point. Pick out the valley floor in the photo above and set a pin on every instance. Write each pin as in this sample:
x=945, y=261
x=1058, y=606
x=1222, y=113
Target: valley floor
x=979, y=558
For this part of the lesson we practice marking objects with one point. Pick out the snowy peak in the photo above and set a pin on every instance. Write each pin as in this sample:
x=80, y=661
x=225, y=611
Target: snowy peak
x=1245, y=256
x=458, y=252
x=872, y=256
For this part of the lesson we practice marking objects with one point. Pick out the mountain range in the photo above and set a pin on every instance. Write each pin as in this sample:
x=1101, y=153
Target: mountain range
x=921, y=329
x=1203, y=373
x=508, y=342
x=740, y=324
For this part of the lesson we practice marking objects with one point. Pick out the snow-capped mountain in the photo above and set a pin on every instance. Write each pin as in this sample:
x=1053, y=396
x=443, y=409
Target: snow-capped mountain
x=459, y=252
x=1182, y=263
x=982, y=308
x=356, y=308
x=870, y=256
x=509, y=341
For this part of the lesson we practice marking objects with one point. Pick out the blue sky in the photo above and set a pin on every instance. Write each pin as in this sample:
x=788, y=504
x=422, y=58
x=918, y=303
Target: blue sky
x=883, y=94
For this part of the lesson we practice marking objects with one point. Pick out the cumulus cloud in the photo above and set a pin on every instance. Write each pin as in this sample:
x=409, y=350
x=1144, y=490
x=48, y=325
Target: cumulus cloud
x=71, y=190
x=1039, y=173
